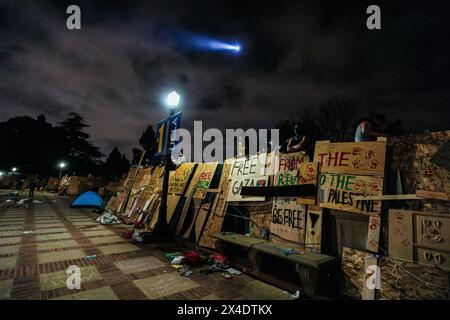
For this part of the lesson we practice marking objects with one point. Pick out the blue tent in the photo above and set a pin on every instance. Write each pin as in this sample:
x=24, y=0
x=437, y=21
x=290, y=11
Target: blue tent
x=88, y=199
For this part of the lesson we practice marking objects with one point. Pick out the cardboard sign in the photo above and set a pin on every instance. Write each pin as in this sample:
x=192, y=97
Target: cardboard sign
x=156, y=179
x=278, y=162
x=288, y=221
x=178, y=181
x=373, y=233
x=249, y=167
x=337, y=191
x=234, y=191
x=205, y=177
x=359, y=158
x=313, y=234
x=305, y=173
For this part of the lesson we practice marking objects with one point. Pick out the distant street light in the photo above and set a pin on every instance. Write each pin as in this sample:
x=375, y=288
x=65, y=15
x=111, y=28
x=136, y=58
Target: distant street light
x=61, y=166
x=14, y=169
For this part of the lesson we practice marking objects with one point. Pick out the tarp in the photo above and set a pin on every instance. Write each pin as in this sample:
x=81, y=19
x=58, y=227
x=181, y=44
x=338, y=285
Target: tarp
x=88, y=199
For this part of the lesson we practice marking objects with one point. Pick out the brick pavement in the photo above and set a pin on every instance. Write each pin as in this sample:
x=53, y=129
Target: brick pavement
x=33, y=266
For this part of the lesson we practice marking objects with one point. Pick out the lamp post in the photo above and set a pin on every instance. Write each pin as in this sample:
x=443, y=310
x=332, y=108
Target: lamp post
x=61, y=166
x=173, y=99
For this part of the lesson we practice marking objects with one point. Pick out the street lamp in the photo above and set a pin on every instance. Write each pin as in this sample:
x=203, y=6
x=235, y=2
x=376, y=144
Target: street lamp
x=61, y=166
x=14, y=169
x=173, y=100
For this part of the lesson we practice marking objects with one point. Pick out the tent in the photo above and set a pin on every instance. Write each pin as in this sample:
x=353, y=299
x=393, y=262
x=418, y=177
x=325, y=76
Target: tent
x=88, y=199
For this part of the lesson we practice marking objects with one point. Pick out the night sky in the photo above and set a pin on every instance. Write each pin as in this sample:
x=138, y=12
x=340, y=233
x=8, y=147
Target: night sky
x=128, y=54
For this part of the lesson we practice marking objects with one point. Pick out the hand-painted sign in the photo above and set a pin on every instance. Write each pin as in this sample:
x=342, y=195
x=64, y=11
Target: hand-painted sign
x=288, y=221
x=236, y=184
x=247, y=172
x=247, y=167
x=155, y=182
x=305, y=173
x=358, y=158
x=337, y=191
x=178, y=181
x=164, y=139
x=204, y=179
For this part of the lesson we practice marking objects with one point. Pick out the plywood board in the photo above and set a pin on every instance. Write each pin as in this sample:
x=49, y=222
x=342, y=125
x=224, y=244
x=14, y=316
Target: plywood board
x=372, y=278
x=432, y=231
x=338, y=191
x=189, y=194
x=204, y=179
x=412, y=155
x=195, y=207
x=278, y=162
x=156, y=180
x=357, y=158
x=215, y=219
x=373, y=233
x=401, y=234
x=172, y=202
x=313, y=233
x=180, y=178
x=288, y=221
x=201, y=218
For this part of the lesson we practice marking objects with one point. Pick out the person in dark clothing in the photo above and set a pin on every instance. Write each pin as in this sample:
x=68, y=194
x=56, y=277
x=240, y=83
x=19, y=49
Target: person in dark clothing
x=32, y=188
x=299, y=141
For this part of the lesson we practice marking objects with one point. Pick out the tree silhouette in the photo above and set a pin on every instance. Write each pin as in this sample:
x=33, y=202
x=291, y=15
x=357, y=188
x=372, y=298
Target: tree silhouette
x=147, y=141
x=137, y=153
x=115, y=165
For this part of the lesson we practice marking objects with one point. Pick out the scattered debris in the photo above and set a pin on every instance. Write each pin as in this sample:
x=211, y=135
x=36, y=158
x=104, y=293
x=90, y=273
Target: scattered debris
x=177, y=260
x=219, y=260
x=91, y=257
x=127, y=234
x=171, y=255
x=233, y=271
x=28, y=232
x=184, y=269
x=192, y=258
x=296, y=295
x=187, y=273
x=22, y=201
x=288, y=251
x=108, y=218
x=227, y=276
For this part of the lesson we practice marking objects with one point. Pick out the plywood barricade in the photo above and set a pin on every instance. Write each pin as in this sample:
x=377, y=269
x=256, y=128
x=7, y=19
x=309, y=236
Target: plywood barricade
x=348, y=170
x=419, y=236
x=144, y=202
x=218, y=210
x=200, y=201
x=288, y=222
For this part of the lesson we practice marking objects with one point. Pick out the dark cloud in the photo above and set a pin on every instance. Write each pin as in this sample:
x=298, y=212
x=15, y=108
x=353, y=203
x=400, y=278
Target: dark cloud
x=116, y=70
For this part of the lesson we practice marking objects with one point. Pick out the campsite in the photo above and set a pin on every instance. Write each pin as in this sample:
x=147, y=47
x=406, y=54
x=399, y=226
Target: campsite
x=224, y=158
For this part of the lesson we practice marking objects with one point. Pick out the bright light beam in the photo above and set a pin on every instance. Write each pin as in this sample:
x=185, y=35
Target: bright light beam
x=218, y=45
